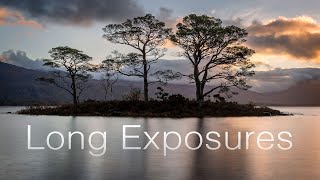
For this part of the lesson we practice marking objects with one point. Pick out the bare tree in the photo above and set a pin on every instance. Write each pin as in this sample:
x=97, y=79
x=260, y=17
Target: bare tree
x=216, y=53
x=109, y=78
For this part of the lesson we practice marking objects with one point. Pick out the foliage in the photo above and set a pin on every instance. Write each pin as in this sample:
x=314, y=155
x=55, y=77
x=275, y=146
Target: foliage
x=219, y=98
x=216, y=53
x=161, y=94
x=173, y=98
x=70, y=72
x=177, y=98
x=146, y=36
x=133, y=95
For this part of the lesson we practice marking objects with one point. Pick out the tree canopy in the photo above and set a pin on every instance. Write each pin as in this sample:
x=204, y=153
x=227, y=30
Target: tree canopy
x=71, y=70
x=146, y=35
x=216, y=53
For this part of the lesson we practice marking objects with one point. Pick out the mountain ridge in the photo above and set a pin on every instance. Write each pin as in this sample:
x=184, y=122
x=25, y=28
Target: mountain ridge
x=19, y=87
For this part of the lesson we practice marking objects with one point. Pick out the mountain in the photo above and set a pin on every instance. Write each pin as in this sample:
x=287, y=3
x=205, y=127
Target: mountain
x=19, y=87
x=305, y=93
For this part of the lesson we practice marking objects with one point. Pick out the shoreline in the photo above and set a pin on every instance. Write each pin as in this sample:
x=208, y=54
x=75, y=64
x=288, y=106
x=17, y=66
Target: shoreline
x=155, y=109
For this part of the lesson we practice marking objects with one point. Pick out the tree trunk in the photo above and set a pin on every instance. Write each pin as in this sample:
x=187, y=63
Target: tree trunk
x=145, y=77
x=199, y=94
x=145, y=83
x=74, y=92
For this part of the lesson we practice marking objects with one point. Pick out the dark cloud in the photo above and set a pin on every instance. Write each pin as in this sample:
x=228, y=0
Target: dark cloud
x=166, y=15
x=13, y=18
x=20, y=58
x=80, y=12
x=236, y=22
x=297, y=37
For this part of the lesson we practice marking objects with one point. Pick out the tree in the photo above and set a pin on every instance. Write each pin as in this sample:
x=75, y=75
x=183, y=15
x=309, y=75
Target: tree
x=161, y=94
x=70, y=73
x=146, y=36
x=109, y=78
x=216, y=52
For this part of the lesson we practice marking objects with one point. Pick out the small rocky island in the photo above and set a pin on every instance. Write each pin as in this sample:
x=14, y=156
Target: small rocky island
x=177, y=108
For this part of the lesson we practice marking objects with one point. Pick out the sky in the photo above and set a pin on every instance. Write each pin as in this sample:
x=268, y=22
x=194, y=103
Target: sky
x=284, y=33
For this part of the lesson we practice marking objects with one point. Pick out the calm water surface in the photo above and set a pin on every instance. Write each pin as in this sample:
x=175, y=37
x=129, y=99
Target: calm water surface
x=301, y=162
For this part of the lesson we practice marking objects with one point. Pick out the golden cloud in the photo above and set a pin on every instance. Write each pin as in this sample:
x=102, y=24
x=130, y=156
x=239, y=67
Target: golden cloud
x=171, y=23
x=297, y=37
x=11, y=18
x=168, y=44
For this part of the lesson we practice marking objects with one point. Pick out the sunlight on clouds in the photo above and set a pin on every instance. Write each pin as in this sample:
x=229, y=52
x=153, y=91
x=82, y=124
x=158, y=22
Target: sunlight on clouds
x=12, y=18
x=173, y=22
x=296, y=38
x=286, y=26
x=168, y=44
x=271, y=61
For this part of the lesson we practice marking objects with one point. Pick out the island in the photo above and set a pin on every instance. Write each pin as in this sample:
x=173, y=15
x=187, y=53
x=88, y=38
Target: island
x=176, y=108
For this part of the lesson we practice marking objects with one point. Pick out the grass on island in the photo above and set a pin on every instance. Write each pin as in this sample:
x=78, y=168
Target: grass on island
x=170, y=108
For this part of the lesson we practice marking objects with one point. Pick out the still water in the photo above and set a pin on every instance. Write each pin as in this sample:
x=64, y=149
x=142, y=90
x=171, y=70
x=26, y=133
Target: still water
x=302, y=161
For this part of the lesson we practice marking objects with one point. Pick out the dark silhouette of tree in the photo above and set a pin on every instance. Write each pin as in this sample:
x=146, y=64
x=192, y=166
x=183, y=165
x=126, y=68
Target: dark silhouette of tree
x=146, y=36
x=109, y=77
x=216, y=52
x=70, y=73
x=161, y=94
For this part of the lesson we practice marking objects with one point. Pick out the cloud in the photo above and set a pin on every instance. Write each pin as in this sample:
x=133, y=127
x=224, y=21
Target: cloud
x=20, y=58
x=240, y=18
x=77, y=12
x=263, y=81
x=262, y=64
x=282, y=79
x=12, y=18
x=181, y=65
x=295, y=37
x=166, y=15
x=239, y=22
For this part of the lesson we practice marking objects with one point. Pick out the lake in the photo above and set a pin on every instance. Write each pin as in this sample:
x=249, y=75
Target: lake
x=302, y=161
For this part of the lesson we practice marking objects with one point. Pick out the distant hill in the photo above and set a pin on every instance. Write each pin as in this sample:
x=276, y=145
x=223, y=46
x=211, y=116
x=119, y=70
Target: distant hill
x=305, y=93
x=19, y=87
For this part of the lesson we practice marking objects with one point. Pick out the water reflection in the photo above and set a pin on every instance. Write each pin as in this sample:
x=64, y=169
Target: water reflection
x=301, y=162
